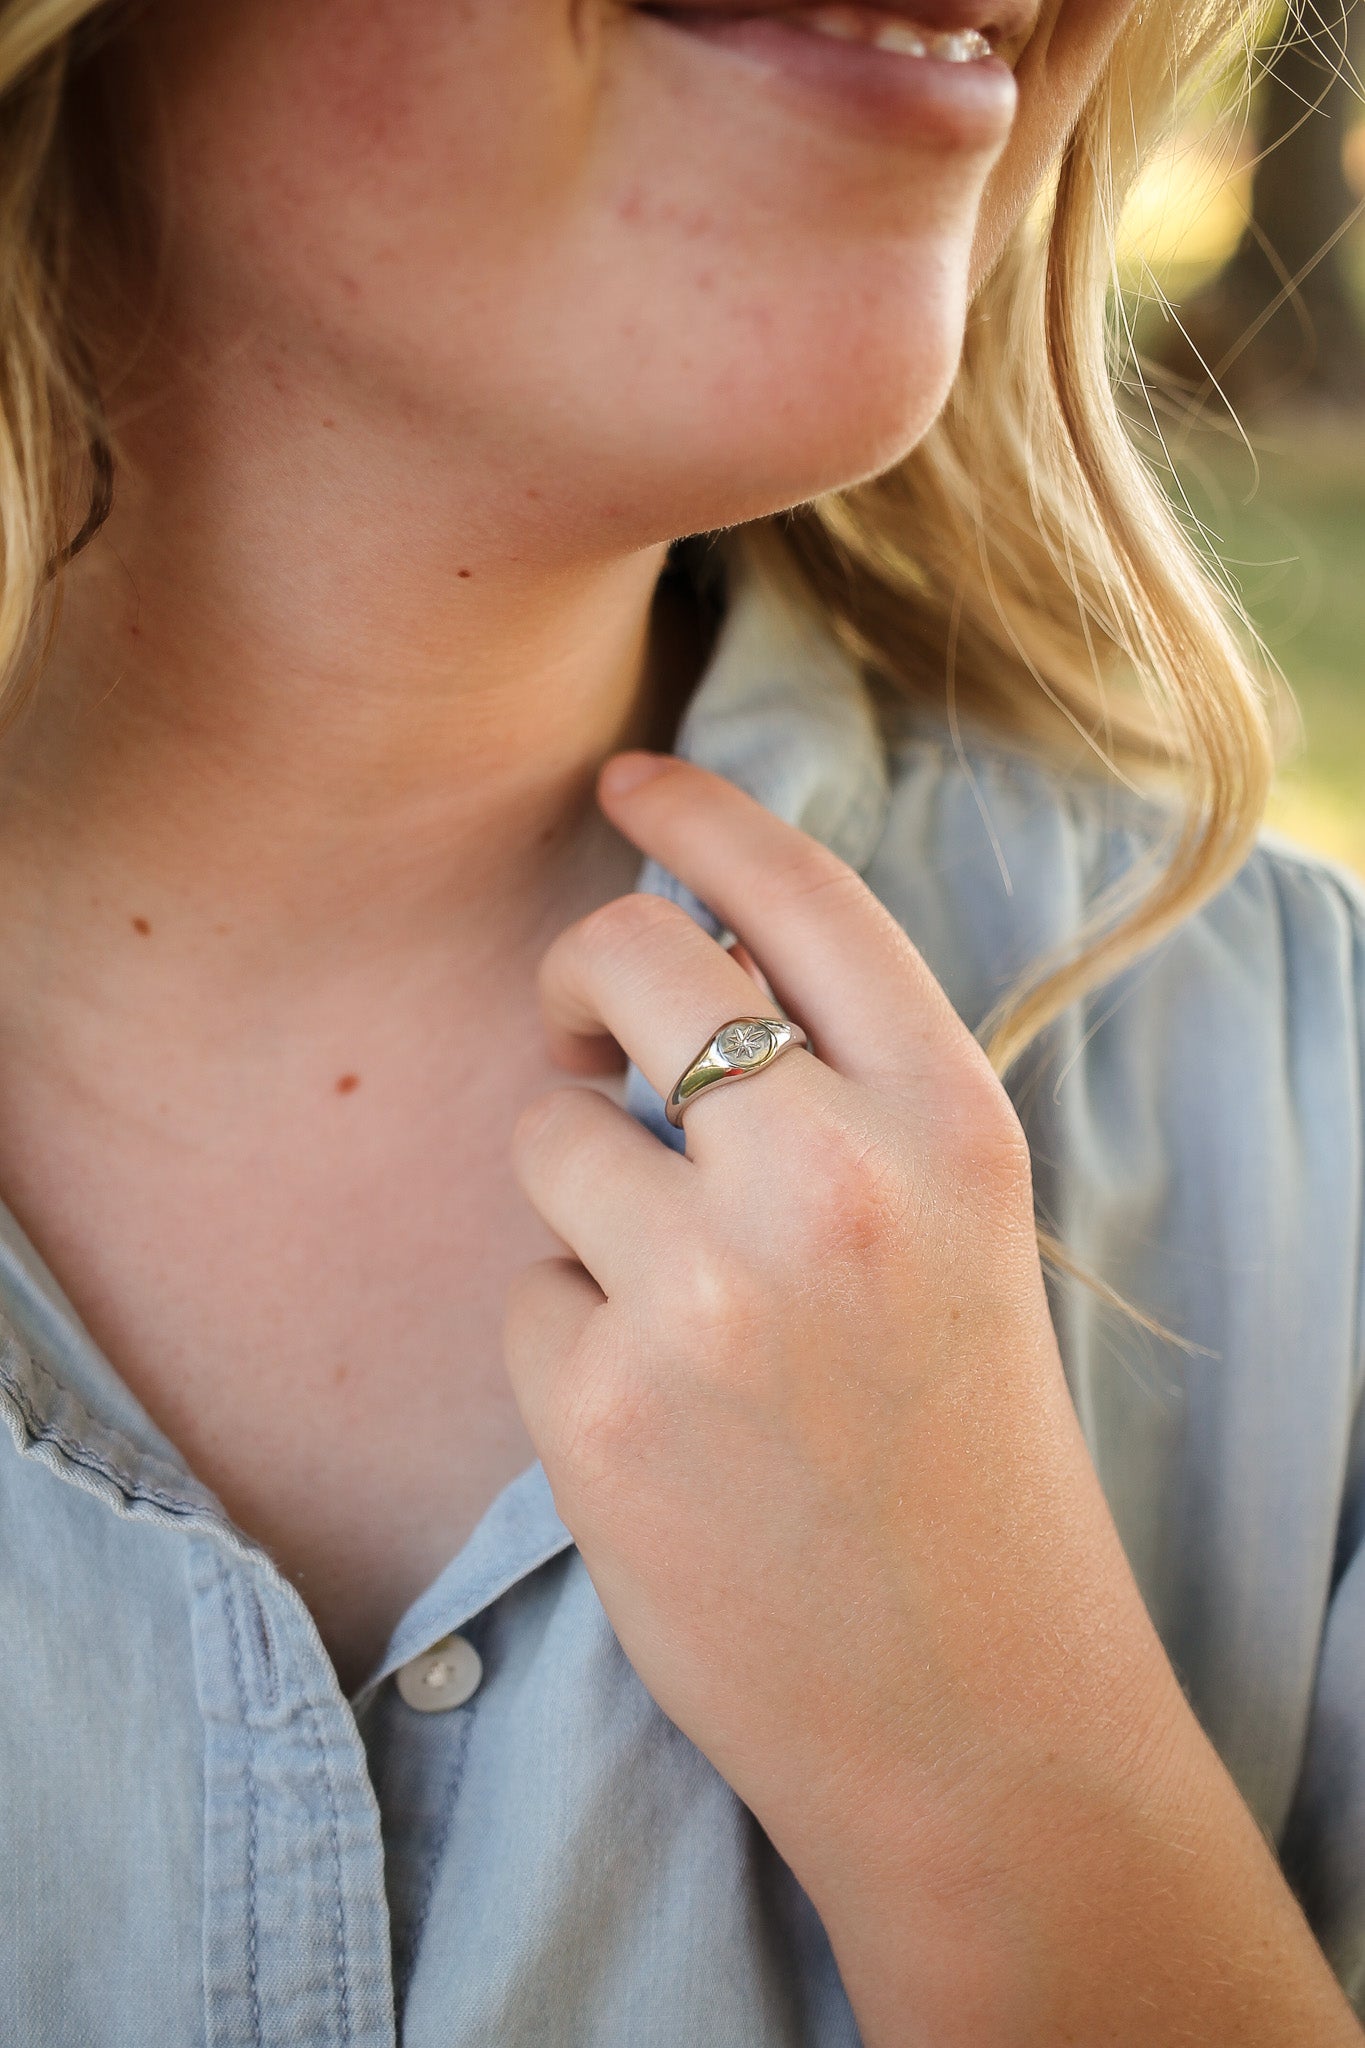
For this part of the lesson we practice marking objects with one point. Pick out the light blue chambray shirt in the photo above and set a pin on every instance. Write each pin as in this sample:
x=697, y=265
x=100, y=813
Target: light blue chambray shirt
x=205, y=1842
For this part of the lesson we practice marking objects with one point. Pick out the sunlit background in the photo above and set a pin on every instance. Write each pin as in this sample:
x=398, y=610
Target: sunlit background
x=1287, y=512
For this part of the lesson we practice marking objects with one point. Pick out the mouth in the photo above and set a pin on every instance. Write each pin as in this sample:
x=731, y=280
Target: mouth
x=951, y=31
x=934, y=70
x=876, y=28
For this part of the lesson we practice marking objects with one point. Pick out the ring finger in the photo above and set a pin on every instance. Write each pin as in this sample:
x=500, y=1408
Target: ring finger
x=643, y=973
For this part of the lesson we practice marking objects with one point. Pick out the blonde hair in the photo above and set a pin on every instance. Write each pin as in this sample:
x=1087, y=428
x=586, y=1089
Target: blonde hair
x=52, y=441
x=1024, y=565
x=1024, y=558
x=1025, y=561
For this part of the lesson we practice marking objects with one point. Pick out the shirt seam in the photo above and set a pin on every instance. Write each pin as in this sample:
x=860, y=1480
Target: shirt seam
x=334, y=1845
x=37, y=1429
x=225, y=1595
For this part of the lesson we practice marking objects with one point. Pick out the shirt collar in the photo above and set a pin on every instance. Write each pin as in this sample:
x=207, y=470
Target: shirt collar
x=785, y=713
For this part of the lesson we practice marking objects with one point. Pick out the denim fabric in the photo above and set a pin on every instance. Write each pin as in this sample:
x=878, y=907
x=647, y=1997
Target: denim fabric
x=204, y=1842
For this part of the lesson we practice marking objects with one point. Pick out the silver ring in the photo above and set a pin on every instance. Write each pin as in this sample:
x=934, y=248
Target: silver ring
x=742, y=1047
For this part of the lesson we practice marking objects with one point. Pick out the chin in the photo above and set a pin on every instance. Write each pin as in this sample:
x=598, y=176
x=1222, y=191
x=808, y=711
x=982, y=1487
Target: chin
x=784, y=471
x=731, y=483
x=771, y=431
x=842, y=429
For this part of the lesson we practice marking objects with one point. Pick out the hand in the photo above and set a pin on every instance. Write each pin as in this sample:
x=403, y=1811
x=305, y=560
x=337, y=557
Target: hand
x=798, y=1394
x=800, y=1402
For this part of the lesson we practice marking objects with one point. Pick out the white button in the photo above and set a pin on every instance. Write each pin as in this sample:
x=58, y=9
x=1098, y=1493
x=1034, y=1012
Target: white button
x=443, y=1677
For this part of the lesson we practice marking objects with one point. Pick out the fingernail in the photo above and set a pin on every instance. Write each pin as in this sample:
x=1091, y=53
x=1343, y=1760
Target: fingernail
x=629, y=771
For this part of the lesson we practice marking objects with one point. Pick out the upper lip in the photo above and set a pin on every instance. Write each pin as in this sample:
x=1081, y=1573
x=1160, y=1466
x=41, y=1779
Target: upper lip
x=1005, y=23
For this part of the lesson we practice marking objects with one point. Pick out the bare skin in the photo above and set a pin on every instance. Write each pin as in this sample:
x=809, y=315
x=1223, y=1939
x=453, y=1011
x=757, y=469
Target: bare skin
x=274, y=1176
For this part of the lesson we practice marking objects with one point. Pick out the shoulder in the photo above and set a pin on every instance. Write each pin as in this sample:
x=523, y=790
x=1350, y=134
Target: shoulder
x=1198, y=1136
x=1198, y=1122
x=991, y=857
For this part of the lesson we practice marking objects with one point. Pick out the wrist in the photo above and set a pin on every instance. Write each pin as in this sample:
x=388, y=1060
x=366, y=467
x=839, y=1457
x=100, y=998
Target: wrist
x=977, y=1867
x=1134, y=1902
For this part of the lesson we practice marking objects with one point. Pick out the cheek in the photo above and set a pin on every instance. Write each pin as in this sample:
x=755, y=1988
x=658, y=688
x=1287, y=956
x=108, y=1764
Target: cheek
x=355, y=149
x=442, y=105
x=355, y=79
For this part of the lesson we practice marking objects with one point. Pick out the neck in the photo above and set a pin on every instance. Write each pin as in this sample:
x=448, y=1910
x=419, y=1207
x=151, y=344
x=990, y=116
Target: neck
x=314, y=699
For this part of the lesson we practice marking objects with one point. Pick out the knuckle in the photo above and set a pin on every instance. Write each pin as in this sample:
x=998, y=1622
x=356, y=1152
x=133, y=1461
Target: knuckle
x=988, y=1150
x=627, y=922
x=533, y=1120
x=812, y=875
x=551, y=1130
x=856, y=1190
x=716, y=1311
x=714, y=1287
x=611, y=1422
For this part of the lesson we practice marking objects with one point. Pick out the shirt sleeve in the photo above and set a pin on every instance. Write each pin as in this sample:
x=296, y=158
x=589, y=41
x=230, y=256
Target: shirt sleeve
x=1323, y=1848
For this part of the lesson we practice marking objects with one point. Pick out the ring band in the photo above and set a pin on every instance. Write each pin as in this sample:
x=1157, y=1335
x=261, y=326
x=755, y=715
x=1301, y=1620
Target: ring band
x=742, y=1047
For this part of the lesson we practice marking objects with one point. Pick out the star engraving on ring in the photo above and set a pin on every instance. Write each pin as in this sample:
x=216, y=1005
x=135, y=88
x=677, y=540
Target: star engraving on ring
x=744, y=1044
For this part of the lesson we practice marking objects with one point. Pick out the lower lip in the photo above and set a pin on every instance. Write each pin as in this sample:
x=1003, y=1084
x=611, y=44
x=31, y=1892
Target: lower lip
x=927, y=99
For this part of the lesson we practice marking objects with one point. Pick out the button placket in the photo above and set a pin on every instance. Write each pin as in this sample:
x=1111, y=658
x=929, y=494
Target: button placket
x=297, y=1932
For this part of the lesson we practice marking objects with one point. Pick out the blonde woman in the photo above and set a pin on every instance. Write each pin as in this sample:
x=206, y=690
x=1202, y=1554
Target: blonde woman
x=796, y=1622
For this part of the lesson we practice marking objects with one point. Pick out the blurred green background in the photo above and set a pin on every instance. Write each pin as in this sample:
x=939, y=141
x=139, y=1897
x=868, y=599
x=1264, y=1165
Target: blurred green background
x=1230, y=217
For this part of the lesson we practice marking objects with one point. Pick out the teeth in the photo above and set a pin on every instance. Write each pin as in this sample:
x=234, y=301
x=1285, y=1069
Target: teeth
x=900, y=38
x=962, y=46
x=844, y=24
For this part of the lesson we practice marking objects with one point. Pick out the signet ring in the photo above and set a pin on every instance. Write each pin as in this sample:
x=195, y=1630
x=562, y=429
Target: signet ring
x=742, y=1047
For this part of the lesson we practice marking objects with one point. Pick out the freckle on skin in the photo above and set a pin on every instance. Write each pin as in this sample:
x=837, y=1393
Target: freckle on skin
x=141, y=926
x=341, y=1375
x=348, y=1084
x=465, y=575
